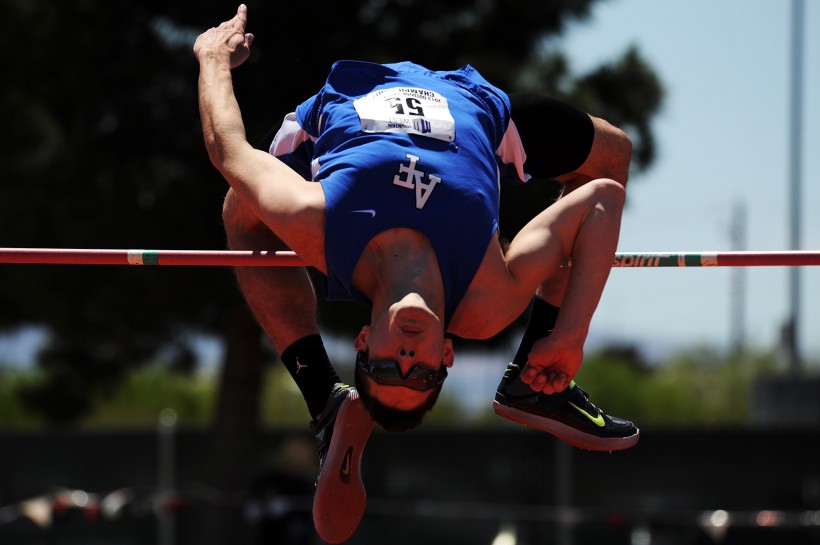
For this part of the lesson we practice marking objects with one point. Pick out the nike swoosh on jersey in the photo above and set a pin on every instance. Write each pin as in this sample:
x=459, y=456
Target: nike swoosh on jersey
x=597, y=420
x=365, y=211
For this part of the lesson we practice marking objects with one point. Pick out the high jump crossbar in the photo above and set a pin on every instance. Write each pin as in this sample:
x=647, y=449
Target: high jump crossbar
x=265, y=258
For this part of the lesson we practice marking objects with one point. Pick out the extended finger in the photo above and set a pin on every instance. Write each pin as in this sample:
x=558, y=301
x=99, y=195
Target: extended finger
x=242, y=16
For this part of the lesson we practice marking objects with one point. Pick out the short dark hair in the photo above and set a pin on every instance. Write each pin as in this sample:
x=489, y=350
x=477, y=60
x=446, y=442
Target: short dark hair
x=390, y=419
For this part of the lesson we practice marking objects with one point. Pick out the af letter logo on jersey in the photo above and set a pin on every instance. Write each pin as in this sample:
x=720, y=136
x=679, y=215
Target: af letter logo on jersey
x=414, y=179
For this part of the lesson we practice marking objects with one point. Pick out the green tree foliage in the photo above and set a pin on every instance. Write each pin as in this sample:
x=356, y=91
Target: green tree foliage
x=698, y=387
x=694, y=387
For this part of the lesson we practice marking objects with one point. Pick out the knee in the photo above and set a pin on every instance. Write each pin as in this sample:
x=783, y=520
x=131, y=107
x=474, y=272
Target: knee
x=235, y=215
x=608, y=192
x=244, y=229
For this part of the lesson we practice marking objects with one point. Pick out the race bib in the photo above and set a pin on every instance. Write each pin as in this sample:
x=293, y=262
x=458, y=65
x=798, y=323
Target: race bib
x=409, y=110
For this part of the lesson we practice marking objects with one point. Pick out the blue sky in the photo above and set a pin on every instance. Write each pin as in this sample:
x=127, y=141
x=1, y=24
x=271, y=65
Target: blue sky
x=723, y=142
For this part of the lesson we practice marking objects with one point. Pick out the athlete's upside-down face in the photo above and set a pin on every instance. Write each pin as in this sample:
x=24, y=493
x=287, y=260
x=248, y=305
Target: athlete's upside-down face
x=410, y=336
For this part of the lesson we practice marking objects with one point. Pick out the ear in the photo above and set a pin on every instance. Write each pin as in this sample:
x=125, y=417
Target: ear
x=361, y=339
x=449, y=355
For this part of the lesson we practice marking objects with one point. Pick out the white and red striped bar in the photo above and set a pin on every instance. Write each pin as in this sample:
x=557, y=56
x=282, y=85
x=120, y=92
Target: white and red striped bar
x=219, y=258
x=264, y=258
x=717, y=259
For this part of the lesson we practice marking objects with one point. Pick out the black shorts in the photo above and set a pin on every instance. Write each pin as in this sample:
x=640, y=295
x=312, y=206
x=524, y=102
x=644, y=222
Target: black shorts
x=557, y=137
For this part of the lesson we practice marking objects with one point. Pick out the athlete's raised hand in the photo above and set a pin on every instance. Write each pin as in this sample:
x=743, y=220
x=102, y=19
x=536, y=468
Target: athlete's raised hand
x=228, y=41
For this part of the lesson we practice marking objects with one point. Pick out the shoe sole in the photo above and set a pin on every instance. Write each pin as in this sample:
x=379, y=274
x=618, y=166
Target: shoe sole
x=566, y=433
x=340, y=498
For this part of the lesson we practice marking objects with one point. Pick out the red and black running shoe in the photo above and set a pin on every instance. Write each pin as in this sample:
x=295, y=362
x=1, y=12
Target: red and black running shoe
x=342, y=430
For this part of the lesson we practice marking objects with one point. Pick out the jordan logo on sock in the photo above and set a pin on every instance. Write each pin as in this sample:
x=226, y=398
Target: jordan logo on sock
x=299, y=366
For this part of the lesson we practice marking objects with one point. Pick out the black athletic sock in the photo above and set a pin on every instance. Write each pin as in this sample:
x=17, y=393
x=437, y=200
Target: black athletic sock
x=539, y=324
x=307, y=362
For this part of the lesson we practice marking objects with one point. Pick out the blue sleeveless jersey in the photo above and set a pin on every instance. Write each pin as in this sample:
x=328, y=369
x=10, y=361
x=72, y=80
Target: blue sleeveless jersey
x=399, y=145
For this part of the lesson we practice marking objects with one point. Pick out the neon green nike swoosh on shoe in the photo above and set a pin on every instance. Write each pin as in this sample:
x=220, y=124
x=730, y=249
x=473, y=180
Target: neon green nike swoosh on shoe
x=597, y=420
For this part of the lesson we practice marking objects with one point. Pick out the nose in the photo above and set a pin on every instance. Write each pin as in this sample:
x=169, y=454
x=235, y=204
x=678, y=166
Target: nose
x=407, y=353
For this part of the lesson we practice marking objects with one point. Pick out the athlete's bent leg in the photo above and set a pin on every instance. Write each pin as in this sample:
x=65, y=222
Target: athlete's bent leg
x=593, y=216
x=284, y=303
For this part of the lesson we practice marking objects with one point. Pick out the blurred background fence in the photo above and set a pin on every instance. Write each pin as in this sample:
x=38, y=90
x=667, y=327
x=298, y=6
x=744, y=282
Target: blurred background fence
x=507, y=486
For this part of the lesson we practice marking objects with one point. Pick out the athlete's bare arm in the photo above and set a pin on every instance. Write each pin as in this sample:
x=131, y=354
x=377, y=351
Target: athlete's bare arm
x=291, y=207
